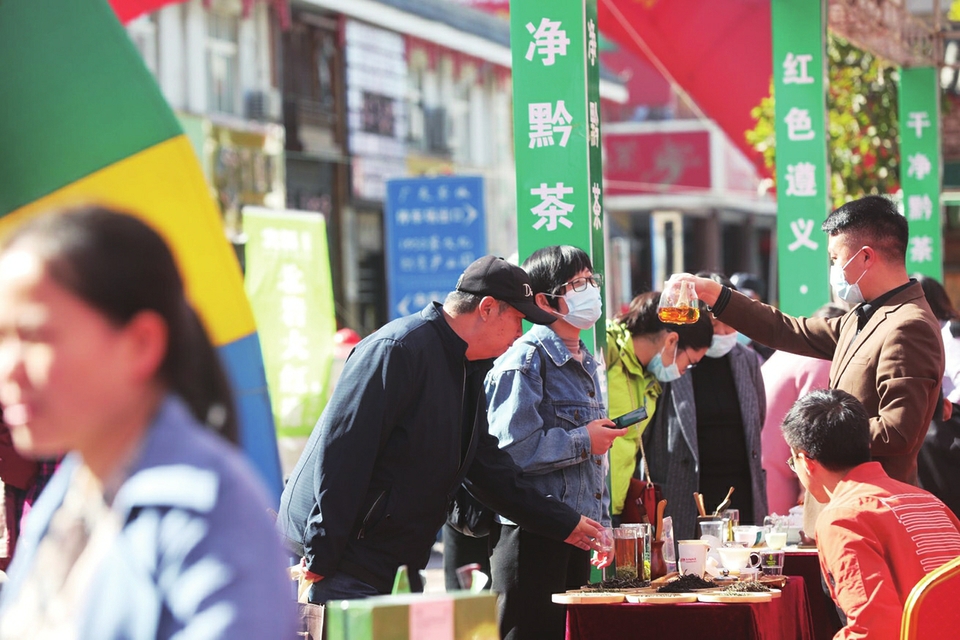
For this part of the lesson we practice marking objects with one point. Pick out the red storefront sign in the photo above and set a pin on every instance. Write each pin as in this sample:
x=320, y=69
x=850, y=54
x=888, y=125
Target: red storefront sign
x=656, y=162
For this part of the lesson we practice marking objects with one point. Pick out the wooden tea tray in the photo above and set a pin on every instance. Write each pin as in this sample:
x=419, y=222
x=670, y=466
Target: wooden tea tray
x=581, y=597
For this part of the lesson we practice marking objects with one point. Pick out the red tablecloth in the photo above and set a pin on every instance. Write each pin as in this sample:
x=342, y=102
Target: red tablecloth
x=784, y=618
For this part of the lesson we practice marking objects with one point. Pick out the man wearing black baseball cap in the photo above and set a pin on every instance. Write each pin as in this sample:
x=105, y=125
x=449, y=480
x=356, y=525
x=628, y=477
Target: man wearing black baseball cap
x=405, y=426
x=497, y=278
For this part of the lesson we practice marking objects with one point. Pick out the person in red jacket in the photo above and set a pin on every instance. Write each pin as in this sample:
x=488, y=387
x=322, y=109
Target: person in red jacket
x=877, y=536
x=18, y=475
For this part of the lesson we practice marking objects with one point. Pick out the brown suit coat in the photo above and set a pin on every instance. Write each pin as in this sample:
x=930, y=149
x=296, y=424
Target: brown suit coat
x=894, y=366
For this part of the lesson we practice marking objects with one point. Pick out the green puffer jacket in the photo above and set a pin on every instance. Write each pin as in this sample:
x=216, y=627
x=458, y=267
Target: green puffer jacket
x=629, y=386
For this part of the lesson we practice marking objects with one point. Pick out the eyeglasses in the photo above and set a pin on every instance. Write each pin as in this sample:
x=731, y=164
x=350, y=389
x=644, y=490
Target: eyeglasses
x=691, y=365
x=580, y=284
x=792, y=464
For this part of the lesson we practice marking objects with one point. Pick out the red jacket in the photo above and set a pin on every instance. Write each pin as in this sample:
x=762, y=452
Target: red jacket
x=878, y=537
x=17, y=474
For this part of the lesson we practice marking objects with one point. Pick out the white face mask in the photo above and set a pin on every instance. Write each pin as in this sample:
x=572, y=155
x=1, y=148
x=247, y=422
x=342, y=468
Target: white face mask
x=660, y=371
x=844, y=290
x=583, y=307
x=722, y=345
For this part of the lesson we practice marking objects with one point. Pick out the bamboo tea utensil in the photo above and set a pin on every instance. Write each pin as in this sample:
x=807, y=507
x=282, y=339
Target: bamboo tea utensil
x=658, y=532
x=724, y=503
x=698, y=498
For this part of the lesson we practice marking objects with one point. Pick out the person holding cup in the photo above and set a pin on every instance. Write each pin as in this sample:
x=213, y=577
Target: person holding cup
x=887, y=351
x=546, y=409
x=877, y=536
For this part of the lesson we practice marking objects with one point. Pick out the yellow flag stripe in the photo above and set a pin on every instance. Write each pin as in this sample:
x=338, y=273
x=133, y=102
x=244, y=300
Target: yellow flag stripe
x=164, y=185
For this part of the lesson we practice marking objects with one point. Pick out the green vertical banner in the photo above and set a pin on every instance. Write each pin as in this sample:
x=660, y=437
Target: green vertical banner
x=920, y=168
x=556, y=116
x=289, y=285
x=799, y=30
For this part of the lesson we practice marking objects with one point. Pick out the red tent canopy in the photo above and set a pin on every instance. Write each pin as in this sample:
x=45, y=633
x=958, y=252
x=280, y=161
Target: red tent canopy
x=718, y=51
x=127, y=10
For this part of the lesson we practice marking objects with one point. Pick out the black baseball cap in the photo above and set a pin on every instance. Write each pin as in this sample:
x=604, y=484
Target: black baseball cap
x=497, y=278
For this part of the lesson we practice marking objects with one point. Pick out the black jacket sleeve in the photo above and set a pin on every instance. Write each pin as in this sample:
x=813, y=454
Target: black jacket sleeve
x=498, y=482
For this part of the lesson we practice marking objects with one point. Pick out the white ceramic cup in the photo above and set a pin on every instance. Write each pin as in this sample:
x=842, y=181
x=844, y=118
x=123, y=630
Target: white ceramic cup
x=775, y=539
x=736, y=558
x=692, y=557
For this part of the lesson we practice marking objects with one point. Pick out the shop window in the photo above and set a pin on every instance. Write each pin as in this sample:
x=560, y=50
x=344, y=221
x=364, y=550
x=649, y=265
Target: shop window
x=222, y=71
x=416, y=104
x=378, y=115
x=313, y=75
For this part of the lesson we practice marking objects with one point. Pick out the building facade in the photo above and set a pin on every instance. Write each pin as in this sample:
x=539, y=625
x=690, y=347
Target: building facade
x=217, y=66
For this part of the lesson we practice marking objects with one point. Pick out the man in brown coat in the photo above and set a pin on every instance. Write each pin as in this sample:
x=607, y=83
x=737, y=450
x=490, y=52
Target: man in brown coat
x=887, y=351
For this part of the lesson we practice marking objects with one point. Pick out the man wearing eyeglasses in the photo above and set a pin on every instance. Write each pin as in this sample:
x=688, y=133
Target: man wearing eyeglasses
x=887, y=351
x=877, y=537
x=547, y=411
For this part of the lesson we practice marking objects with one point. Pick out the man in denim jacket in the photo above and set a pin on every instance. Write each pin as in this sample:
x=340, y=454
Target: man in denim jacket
x=547, y=411
x=405, y=426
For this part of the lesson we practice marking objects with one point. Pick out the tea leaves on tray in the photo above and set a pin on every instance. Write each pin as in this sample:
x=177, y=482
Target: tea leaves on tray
x=747, y=587
x=617, y=583
x=686, y=583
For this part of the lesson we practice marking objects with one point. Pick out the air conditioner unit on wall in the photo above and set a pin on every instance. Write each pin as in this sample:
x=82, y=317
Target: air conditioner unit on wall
x=263, y=105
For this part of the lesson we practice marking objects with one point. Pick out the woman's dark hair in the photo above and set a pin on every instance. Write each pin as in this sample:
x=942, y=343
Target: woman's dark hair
x=937, y=298
x=551, y=267
x=641, y=318
x=120, y=266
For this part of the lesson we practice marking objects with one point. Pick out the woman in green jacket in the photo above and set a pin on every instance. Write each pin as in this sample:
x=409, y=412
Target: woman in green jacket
x=642, y=351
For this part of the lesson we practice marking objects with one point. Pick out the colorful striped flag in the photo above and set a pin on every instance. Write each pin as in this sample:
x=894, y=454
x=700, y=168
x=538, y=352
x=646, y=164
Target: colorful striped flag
x=82, y=120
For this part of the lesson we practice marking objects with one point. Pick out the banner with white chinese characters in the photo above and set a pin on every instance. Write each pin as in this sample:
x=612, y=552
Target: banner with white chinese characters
x=920, y=168
x=801, y=155
x=435, y=227
x=289, y=285
x=556, y=107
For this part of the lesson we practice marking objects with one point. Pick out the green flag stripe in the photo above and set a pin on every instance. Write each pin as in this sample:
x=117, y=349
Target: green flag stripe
x=75, y=96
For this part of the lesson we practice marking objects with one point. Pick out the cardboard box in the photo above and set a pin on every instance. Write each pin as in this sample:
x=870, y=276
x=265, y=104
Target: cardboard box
x=451, y=616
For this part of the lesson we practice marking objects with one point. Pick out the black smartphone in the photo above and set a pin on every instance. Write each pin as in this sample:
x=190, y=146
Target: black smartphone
x=628, y=419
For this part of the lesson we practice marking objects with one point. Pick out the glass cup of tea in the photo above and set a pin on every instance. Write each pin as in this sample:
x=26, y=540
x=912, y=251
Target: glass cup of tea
x=625, y=552
x=605, y=540
x=679, y=303
x=775, y=532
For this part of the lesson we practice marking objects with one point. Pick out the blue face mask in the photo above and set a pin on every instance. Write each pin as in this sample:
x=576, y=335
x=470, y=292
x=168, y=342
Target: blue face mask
x=661, y=372
x=744, y=340
x=721, y=345
x=583, y=307
x=845, y=291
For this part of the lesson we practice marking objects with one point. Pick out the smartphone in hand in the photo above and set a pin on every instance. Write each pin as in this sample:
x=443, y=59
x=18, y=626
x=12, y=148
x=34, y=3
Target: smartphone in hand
x=628, y=419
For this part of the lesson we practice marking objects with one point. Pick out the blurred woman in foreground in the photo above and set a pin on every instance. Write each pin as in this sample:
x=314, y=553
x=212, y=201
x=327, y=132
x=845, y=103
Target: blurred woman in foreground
x=152, y=527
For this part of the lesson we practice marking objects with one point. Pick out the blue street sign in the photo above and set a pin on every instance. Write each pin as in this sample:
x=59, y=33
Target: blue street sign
x=435, y=229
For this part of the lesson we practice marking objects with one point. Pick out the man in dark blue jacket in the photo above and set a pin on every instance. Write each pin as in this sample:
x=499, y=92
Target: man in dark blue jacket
x=405, y=426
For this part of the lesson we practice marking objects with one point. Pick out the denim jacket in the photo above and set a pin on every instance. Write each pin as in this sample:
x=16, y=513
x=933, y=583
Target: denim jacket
x=540, y=399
